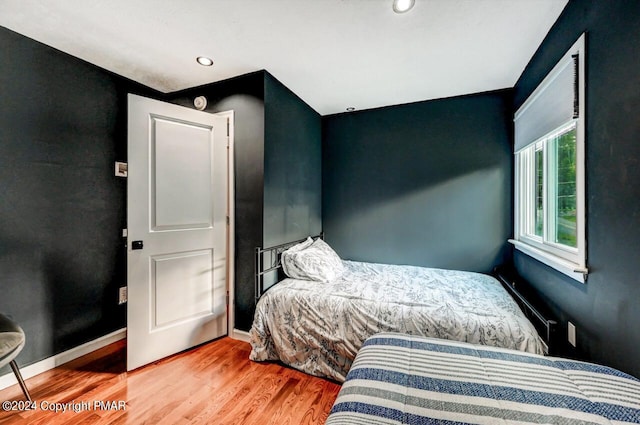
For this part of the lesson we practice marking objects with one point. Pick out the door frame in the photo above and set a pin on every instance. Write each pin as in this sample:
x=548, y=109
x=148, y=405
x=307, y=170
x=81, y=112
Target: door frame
x=231, y=230
x=207, y=322
x=231, y=227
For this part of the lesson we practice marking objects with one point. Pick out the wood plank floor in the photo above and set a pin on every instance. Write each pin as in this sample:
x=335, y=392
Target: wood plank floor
x=215, y=383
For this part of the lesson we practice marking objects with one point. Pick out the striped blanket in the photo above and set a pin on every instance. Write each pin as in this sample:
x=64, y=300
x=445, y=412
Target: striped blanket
x=403, y=379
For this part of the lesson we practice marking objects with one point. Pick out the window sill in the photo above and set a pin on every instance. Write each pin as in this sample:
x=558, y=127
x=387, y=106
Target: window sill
x=568, y=268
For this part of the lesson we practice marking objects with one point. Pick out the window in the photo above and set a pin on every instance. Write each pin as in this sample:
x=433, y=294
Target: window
x=549, y=169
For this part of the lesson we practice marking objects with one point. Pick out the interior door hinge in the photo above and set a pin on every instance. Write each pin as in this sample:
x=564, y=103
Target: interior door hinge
x=227, y=220
x=227, y=297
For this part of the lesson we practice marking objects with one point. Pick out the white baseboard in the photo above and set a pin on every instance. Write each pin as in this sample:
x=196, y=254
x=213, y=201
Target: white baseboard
x=240, y=335
x=49, y=363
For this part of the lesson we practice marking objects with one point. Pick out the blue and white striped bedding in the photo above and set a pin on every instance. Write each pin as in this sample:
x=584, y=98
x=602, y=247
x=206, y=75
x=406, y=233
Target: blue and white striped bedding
x=403, y=379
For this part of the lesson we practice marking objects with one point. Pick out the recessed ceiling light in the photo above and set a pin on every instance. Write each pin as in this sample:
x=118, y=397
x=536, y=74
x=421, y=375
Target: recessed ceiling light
x=204, y=61
x=401, y=6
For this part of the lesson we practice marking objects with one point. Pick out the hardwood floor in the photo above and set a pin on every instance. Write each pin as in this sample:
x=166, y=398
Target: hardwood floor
x=215, y=383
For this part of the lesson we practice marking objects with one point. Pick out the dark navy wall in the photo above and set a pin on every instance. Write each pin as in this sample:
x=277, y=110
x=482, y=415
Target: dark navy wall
x=427, y=183
x=245, y=96
x=62, y=257
x=292, y=166
x=605, y=310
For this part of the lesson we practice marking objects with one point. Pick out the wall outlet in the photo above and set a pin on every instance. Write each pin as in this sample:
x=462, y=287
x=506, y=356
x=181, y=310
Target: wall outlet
x=571, y=333
x=122, y=295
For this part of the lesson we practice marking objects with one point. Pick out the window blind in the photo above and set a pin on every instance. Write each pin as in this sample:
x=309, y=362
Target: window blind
x=552, y=104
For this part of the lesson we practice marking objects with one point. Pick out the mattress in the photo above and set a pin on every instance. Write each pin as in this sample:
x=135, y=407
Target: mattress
x=403, y=379
x=319, y=327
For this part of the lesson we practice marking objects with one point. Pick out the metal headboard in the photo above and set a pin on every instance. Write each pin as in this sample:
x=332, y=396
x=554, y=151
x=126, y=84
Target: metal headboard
x=546, y=326
x=271, y=259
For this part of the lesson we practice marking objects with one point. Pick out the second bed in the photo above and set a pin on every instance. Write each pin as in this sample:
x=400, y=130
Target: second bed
x=318, y=327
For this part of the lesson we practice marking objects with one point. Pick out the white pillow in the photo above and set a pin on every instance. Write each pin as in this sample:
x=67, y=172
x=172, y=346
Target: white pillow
x=316, y=262
x=298, y=247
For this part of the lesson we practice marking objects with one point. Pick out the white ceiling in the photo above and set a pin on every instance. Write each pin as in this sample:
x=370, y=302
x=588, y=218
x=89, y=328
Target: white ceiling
x=332, y=53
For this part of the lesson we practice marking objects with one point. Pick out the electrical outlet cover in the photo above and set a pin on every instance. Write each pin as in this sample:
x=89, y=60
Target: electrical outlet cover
x=571, y=331
x=122, y=295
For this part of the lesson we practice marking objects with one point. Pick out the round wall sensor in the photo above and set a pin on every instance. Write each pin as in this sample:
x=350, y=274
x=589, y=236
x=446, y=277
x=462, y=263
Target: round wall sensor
x=200, y=103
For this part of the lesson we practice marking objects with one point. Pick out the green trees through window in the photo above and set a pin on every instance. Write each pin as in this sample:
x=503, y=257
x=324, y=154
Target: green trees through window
x=549, y=177
x=564, y=146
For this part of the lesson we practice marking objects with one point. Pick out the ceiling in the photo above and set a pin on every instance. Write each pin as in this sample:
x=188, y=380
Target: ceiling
x=334, y=54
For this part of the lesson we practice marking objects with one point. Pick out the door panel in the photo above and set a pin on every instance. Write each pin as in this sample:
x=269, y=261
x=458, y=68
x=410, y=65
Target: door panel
x=193, y=297
x=181, y=173
x=177, y=206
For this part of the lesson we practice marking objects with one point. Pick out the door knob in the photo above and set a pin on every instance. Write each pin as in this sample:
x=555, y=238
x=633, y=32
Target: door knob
x=137, y=244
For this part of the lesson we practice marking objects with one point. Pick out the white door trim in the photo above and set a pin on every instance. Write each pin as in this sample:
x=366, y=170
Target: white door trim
x=231, y=227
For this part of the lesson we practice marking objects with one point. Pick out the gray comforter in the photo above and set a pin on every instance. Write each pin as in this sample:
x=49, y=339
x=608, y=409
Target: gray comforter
x=319, y=327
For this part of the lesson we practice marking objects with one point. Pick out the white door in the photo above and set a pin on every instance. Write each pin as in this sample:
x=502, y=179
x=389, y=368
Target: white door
x=177, y=229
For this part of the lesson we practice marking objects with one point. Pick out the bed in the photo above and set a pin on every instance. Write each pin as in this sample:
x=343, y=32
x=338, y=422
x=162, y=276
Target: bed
x=403, y=379
x=318, y=326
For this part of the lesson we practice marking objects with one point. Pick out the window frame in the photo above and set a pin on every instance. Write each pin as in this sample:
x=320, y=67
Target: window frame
x=567, y=260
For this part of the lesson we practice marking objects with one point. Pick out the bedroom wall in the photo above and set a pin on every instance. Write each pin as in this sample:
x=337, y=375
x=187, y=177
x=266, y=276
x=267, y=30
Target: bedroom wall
x=62, y=126
x=292, y=166
x=425, y=184
x=245, y=96
x=605, y=309
x=62, y=257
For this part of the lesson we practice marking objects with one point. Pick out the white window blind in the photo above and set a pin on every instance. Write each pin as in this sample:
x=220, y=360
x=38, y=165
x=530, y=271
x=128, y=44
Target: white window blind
x=551, y=105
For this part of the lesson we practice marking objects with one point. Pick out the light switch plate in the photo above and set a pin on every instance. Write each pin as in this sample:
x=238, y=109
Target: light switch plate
x=121, y=169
